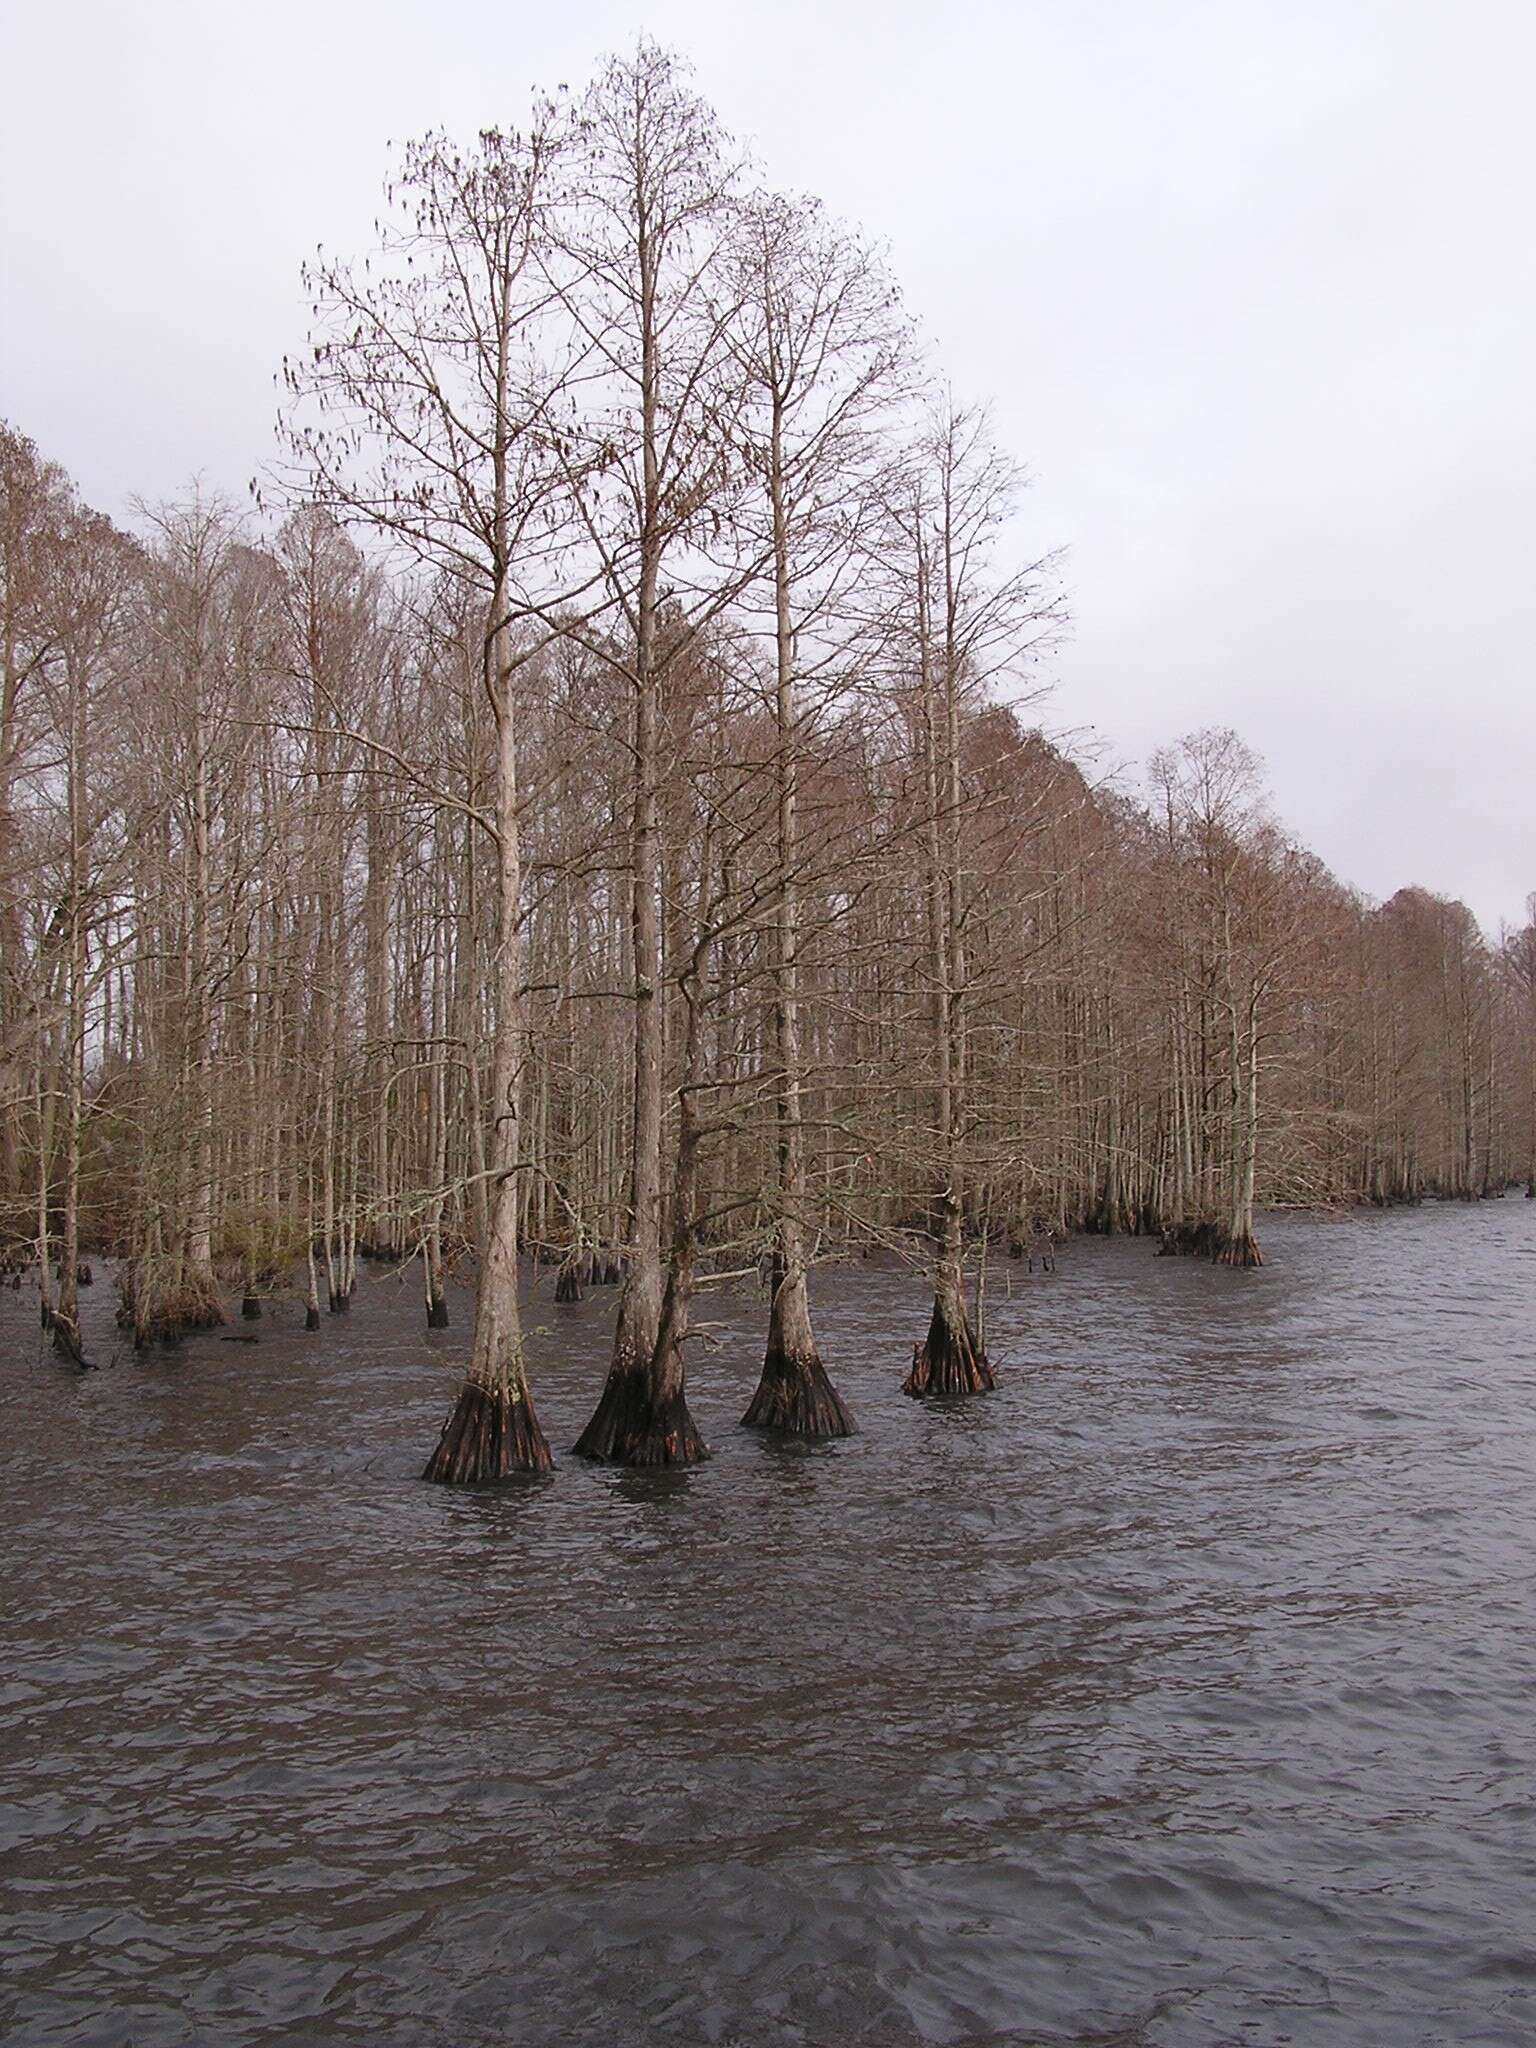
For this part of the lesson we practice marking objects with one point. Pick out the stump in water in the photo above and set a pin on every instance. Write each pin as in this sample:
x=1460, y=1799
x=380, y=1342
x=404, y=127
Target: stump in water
x=491, y=1434
x=250, y=1309
x=437, y=1311
x=568, y=1282
x=84, y=1277
x=951, y=1361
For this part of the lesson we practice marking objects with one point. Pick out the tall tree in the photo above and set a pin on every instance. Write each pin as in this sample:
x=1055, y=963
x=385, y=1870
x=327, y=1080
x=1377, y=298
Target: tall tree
x=824, y=357
x=967, y=627
x=643, y=243
x=433, y=427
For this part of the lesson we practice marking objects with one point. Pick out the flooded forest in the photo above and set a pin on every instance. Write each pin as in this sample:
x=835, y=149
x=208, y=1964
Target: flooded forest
x=565, y=927
x=595, y=808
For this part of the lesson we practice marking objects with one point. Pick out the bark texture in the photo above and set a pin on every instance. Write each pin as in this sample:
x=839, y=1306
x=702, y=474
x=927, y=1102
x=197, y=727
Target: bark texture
x=491, y=1433
x=952, y=1360
x=794, y=1396
x=642, y=1416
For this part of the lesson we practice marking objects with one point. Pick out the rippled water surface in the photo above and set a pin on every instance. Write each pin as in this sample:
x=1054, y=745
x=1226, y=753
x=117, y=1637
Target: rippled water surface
x=1180, y=1693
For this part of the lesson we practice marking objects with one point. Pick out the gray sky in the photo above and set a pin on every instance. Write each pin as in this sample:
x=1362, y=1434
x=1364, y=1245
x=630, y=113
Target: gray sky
x=1251, y=285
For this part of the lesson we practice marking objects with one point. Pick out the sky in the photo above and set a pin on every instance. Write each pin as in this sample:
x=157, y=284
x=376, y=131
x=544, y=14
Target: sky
x=1250, y=286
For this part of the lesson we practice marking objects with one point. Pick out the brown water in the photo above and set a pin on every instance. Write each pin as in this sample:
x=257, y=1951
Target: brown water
x=1181, y=1693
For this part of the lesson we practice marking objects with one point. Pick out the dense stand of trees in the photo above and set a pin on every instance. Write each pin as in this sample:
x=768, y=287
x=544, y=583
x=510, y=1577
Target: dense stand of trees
x=598, y=814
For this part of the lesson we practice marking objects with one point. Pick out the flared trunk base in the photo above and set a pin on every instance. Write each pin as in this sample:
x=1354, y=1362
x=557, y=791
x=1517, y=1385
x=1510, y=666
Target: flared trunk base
x=1242, y=1250
x=633, y=1426
x=437, y=1313
x=950, y=1362
x=795, y=1398
x=568, y=1284
x=490, y=1435
x=1210, y=1241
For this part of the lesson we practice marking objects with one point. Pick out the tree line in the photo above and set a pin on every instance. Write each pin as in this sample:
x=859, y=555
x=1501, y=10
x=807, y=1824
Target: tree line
x=593, y=809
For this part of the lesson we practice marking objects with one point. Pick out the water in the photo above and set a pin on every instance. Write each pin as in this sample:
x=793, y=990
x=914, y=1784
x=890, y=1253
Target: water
x=1178, y=1694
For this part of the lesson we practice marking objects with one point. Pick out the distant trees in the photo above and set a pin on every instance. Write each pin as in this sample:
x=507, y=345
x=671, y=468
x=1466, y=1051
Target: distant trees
x=36, y=508
x=1232, y=927
x=1515, y=1058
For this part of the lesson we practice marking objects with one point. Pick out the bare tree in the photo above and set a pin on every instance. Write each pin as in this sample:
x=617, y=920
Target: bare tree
x=433, y=428
x=825, y=359
x=643, y=236
x=968, y=627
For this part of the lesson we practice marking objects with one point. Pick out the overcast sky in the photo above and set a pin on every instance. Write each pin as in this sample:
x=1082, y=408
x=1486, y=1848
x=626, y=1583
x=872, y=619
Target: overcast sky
x=1250, y=284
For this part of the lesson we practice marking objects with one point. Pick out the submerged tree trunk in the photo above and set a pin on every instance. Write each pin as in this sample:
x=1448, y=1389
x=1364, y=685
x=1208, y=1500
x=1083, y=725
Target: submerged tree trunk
x=641, y=1417
x=437, y=1168
x=492, y=1431
x=1241, y=1247
x=197, y=1304
x=311, y=1274
x=432, y=1272
x=794, y=1394
x=952, y=1359
x=66, y=1322
x=43, y=1103
x=568, y=1279
x=634, y=1412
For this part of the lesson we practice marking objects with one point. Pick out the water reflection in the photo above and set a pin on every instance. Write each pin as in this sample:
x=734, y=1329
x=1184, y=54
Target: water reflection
x=658, y=1487
x=497, y=1509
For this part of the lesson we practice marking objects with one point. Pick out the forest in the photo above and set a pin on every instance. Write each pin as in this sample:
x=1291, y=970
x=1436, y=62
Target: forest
x=592, y=806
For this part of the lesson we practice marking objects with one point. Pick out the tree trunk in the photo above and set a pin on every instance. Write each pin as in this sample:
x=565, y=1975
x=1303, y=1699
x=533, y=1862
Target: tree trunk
x=794, y=1395
x=492, y=1431
x=637, y=1408
x=952, y=1360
